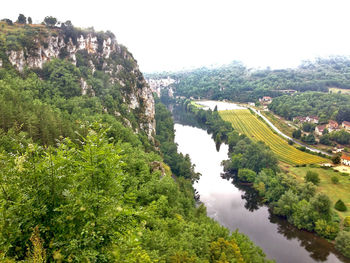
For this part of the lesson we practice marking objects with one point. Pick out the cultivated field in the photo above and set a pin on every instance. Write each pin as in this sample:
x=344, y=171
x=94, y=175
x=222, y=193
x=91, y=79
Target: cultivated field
x=245, y=122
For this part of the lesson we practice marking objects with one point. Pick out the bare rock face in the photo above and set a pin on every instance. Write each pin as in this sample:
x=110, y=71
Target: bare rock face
x=116, y=60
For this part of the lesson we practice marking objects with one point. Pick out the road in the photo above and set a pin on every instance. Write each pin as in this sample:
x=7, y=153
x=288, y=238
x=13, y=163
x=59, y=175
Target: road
x=286, y=136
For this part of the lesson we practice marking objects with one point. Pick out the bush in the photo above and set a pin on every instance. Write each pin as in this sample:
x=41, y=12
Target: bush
x=340, y=206
x=246, y=175
x=326, y=229
x=347, y=221
x=335, y=179
x=342, y=243
x=312, y=177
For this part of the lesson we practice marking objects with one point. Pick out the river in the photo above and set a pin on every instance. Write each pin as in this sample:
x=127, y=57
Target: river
x=236, y=206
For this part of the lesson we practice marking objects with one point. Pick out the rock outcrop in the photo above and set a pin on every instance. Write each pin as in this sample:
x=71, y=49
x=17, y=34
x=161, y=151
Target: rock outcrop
x=104, y=54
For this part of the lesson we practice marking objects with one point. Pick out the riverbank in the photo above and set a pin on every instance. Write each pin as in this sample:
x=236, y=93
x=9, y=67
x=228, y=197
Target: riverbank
x=304, y=212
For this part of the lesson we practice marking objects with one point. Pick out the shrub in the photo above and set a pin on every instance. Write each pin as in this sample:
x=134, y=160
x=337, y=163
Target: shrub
x=347, y=221
x=326, y=229
x=342, y=243
x=340, y=206
x=335, y=179
x=312, y=177
x=246, y=175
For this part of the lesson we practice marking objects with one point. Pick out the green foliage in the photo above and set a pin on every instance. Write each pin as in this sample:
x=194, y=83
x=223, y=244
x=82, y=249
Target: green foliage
x=50, y=21
x=165, y=134
x=336, y=159
x=340, y=206
x=312, y=177
x=21, y=19
x=335, y=179
x=347, y=221
x=237, y=83
x=309, y=103
x=342, y=243
x=327, y=229
x=246, y=175
x=309, y=139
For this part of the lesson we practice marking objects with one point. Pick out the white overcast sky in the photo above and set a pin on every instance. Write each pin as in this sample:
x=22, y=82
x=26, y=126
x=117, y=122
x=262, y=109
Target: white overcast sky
x=178, y=34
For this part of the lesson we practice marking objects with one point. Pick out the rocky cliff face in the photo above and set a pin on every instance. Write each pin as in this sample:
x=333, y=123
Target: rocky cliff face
x=103, y=53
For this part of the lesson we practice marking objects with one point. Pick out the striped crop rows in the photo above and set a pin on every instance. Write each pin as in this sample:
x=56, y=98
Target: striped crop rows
x=245, y=122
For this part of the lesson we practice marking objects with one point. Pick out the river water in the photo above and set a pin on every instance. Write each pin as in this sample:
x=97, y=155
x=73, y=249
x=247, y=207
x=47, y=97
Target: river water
x=236, y=207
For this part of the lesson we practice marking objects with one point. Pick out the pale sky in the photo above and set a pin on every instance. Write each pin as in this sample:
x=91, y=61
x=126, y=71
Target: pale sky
x=181, y=34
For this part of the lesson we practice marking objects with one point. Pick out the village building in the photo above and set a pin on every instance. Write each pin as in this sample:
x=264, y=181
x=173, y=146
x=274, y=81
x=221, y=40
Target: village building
x=265, y=100
x=332, y=126
x=319, y=129
x=345, y=159
x=337, y=150
x=312, y=119
x=346, y=125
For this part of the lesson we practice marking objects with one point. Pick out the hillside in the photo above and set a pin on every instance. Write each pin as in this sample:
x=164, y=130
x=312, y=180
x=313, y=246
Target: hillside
x=87, y=174
x=236, y=82
x=96, y=66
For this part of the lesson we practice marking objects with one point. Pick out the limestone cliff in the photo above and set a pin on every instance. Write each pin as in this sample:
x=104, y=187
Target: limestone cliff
x=102, y=52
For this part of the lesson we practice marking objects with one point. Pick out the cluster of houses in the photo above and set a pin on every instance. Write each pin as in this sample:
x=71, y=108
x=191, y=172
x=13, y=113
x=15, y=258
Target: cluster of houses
x=265, y=101
x=332, y=126
x=311, y=119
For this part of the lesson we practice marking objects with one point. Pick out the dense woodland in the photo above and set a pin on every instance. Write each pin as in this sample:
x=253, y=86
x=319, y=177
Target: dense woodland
x=237, y=83
x=324, y=105
x=78, y=184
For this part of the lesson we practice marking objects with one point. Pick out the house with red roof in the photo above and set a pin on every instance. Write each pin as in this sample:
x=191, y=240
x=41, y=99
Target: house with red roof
x=345, y=159
x=346, y=125
x=319, y=129
x=332, y=126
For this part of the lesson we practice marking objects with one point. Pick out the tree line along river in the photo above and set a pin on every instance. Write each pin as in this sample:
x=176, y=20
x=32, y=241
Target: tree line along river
x=237, y=206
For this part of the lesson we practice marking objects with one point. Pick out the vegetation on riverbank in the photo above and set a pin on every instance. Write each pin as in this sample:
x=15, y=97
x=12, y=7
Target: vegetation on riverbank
x=300, y=202
x=335, y=191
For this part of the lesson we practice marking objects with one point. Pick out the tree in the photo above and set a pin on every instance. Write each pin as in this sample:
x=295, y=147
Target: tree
x=335, y=179
x=312, y=177
x=297, y=134
x=50, y=21
x=342, y=243
x=326, y=229
x=21, y=19
x=30, y=21
x=246, y=175
x=8, y=21
x=340, y=206
x=336, y=159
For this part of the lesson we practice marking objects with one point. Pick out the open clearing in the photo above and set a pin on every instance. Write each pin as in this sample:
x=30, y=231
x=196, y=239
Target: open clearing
x=335, y=192
x=245, y=122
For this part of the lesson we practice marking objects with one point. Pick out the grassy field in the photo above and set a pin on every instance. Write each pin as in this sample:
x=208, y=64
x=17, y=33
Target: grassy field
x=337, y=90
x=245, y=122
x=334, y=191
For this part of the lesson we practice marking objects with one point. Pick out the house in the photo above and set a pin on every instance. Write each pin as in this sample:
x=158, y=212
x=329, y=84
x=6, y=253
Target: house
x=313, y=119
x=251, y=104
x=346, y=125
x=319, y=129
x=345, y=160
x=299, y=119
x=332, y=126
x=337, y=150
x=265, y=100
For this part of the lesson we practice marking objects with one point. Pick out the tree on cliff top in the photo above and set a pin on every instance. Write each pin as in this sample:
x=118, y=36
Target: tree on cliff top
x=50, y=21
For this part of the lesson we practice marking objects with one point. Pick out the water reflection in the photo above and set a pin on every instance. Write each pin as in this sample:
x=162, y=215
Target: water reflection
x=238, y=206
